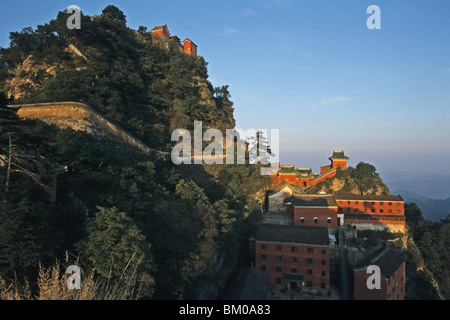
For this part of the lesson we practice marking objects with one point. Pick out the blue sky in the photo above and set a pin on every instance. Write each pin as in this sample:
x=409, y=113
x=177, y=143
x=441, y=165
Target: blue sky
x=313, y=70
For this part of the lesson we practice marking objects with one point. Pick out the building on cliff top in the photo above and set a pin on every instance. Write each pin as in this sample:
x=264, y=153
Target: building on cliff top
x=304, y=177
x=168, y=41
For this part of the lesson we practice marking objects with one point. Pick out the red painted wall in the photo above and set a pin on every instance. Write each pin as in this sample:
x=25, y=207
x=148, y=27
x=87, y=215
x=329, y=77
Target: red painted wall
x=321, y=213
x=292, y=178
x=161, y=32
x=394, y=208
x=324, y=168
x=337, y=163
x=317, y=262
x=190, y=48
x=391, y=289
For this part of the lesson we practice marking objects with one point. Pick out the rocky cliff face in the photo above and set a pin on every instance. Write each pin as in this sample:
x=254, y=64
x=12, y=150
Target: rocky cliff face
x=345, y=184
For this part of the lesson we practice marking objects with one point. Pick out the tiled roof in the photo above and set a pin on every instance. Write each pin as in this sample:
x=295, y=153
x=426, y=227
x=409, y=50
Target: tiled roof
x=280, y=185
x=293, y=234
x=187, y=39
x=304, y=171
x=388, y=260
x=160, y=27
x=368, y=197
x=312, y=200
x=338, y=155
x=287, y=169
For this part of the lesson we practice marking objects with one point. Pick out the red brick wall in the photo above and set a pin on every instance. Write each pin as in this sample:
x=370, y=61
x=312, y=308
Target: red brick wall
x=321, y=213
x=392, y=208
x=389, y=209
x=314, y=266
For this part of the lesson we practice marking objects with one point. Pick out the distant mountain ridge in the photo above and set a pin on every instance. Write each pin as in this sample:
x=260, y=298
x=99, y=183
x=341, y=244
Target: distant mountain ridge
x=431, y=192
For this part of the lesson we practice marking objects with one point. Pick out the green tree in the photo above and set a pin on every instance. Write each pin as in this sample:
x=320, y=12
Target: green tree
x=364, y=170
x=116, y=248
x=24, y=232
x=115, y=13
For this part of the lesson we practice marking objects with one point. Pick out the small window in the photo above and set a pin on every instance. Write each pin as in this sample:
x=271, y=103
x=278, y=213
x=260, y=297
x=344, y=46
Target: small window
x=263, y=246
x=309, y=271
x=373, y=203
x=263, y=257
x=381, y=203
x=356, y=210
x=293, y=259
x=277, y=269
x=349, y=202
x=399, y=203
x=309, y=261
x=294, y=249
x=262, y=268
x=322, y=285
x=278, y=258
x=381, y=210
x=390, y=203
x=316, y=220
x=302, y=220
x=356, y=202
x=329, y=220
x=293, y=270
x=310, y=250
x=373, y=210
x=309, y=284
x=278, y=248
x=324, y=262
x=323, y=251
x=323, y=273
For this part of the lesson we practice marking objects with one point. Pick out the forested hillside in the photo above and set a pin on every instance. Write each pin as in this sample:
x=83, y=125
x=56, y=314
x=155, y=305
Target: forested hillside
x=151, y=228
x=120, y=72
x=429, y=276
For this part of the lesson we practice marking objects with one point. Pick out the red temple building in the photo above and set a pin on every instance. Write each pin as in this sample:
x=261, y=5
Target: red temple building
x=313, y=211
x=168, y=41
x=190, y=47
x=392, y=277
x=372, y=212
x=161, y=31
x=304, y=176
x=294, y=257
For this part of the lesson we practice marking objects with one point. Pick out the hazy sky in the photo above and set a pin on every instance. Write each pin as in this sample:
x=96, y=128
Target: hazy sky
x=313, y=70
